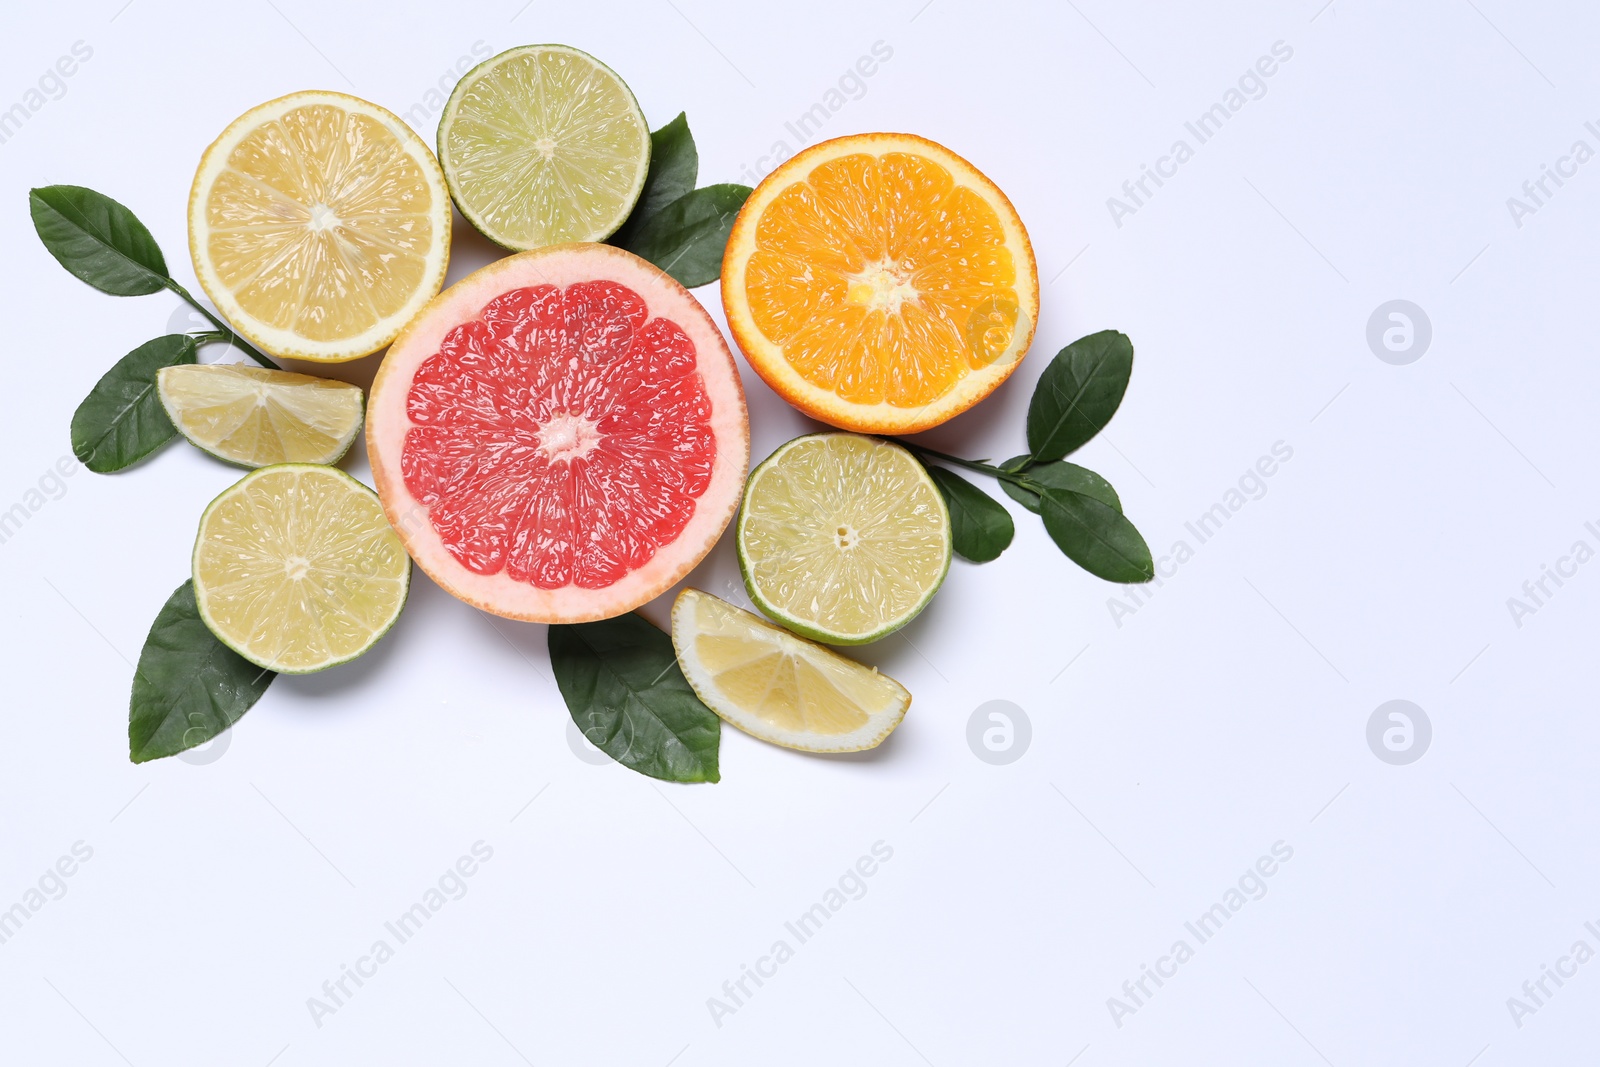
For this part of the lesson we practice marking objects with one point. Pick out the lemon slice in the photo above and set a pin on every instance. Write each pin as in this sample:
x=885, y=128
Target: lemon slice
x=257, y=417
x=842, y=538
x=542, y=145
x=319, y=225
x=296, y=568
x=779, y=687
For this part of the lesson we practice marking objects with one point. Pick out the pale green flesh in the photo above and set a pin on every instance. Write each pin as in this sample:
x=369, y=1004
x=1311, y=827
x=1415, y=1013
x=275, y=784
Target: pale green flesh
x=297, y=569
x=842, y=538
x=544, y=145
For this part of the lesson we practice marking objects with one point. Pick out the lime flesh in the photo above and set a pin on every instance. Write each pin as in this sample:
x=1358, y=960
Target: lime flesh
x=543, y=145
x=297, y=570
x=842, y=538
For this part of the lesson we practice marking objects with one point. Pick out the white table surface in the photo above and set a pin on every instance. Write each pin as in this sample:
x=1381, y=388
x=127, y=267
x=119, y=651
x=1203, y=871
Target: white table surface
x=1172, y=745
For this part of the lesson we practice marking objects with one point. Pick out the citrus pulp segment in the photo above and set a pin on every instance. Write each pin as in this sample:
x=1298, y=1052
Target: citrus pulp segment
x=542, y=145
x=561, y=436
x=779, y=687
x=296, y=568
x=842, y=538
x=256, y=417
x=319, y=224
x=880, y=283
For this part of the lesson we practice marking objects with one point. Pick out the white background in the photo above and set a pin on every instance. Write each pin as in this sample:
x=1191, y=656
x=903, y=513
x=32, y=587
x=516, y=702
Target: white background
x=1168, y=753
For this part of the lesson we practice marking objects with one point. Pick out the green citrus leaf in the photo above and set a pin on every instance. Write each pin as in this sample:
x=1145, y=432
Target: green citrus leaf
x=674, y=166
x=980, y=526
x=189, y=686
x=1096, y=537
x=1057, y=475
x=624, y=689
x=1078, y=393
x=98, y=240
x=686, y=238
x=122, y=421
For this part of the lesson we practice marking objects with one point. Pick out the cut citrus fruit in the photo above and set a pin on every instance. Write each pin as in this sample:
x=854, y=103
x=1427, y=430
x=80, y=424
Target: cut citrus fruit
x=256, y=417
x=319, y=224
x=297, y=570
x=779, y=687
x=880, y=283
x=561, y=436
x=542, y=145
x=842, y=538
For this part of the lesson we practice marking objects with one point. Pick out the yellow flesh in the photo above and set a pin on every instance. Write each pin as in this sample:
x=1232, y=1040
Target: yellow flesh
x=320, y=223
x=257, y=417
x=547, y=146
x=297, y=568
x=791, y=685
x=844, y=534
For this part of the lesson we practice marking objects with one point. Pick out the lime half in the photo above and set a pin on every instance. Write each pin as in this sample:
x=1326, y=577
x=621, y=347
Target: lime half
x=779, y=687
x=542, y=145
x=256, y=417
x=842, y=538
x=296, y=568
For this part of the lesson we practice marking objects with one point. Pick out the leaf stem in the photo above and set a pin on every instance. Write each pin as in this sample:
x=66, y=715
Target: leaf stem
x=223, y=333
x=970, y=464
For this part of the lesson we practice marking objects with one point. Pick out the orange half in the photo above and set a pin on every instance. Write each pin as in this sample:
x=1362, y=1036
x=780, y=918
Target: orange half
x=880, y=283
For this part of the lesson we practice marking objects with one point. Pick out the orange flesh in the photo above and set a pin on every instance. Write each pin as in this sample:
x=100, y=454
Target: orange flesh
x=882, y=280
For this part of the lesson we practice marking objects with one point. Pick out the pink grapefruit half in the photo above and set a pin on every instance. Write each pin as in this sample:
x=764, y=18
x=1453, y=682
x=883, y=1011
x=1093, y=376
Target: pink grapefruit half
x=561, y=436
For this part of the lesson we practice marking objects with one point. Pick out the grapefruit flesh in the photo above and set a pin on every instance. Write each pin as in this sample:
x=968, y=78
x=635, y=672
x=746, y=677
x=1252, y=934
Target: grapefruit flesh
x=561, y=436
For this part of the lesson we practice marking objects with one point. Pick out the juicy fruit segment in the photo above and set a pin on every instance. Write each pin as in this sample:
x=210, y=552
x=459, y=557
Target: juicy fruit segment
x=319, y=223
x=842, y=538
x=542, y=145
x=296, y=568
x=257, y=417
x=899, y=259
x=562, y=436
x=880, y=282
x=779, y=687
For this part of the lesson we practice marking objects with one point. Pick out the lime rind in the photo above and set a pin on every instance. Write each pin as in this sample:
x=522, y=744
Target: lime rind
x=202, y=593
x=836, y=673
x=184, y=423
x=477, y=214
x=811, y=628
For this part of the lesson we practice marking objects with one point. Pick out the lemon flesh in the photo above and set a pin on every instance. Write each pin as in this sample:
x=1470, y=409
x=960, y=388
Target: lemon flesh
x=257, y=417
x=542, y=145
x=319, y=225
x=842, y=538
x=779, y=687
x=296, y=568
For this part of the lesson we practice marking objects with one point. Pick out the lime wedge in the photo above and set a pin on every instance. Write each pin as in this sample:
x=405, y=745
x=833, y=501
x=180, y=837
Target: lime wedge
x=542, y=145
x=257, y=417
x=297, y=570
x=779, y=687
x=842, y=538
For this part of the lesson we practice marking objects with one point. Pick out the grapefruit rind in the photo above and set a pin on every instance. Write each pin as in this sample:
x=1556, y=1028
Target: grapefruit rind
x=814, y=629
x=767, y=358
x=561, y=265
x=879, y=722
x=284, y=342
